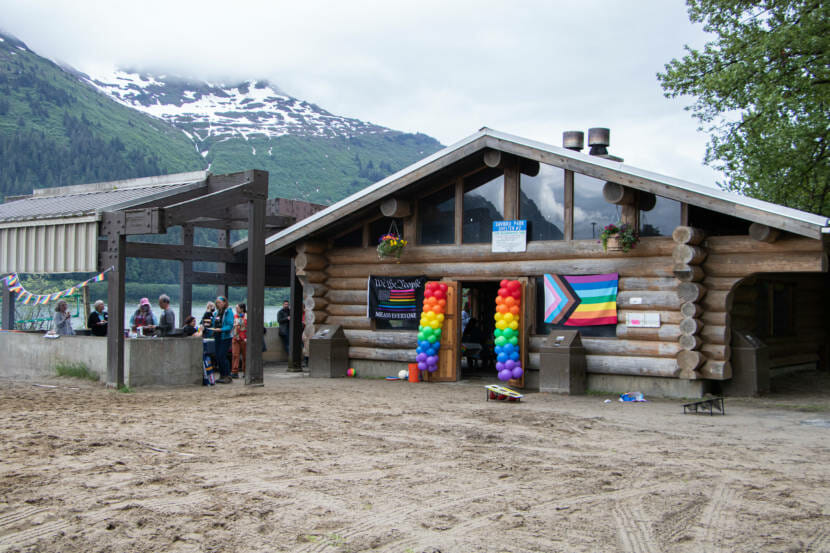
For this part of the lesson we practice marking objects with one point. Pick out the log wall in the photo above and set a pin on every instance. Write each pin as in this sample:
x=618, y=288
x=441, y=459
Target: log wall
x=688, y=279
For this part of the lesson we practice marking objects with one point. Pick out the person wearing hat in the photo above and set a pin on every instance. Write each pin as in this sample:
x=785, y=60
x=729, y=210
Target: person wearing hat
x=143, y=316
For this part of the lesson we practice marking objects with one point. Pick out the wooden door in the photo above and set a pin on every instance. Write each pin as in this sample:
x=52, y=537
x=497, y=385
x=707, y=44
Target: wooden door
x=524, y=329
x=450, y=352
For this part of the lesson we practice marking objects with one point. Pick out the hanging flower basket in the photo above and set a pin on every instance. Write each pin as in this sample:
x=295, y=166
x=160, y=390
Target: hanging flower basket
x=390, y=245
x=617, y=238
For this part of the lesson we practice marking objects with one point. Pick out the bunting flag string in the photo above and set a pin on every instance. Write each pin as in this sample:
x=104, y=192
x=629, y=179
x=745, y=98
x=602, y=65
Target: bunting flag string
x=26, y=297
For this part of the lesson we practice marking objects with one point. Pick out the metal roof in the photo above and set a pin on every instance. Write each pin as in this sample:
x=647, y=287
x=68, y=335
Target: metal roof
x=92, y=199
x=793, y=220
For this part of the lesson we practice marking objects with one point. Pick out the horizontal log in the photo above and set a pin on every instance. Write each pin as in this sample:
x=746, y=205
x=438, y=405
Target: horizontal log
x=317, y=317
x=666, y=316
x=492, y=158
x=545, y=250
x=714, y=334
x=717, y=301
x=686, y=374
x=304, y=262
x=684, y=254
x=721, y=318
x=724, y=283
x=641, y=366
x=663, y=284
x=349, y=297
x=346, y=309
x=312, y=288
x=688, y=235
x=635, y=266
x=382, y=339
x=612, y=346
x=689, y=342
x=316, y=277
x=395, y=207
x=689, y=361
x=648, y=300
x=667, y=333
x=618, y=194
x=745, y=264
x=690, y=291
x=690, y=326
x=691, y=309
x=763, y=233
x=350, y=322
x=312, y=302
x=358, y=283
x=716, y=352
x=745, y=244
x=716, y=370
x=312, y=246
x=689, y=273
x=383, y=354
x=646, y=201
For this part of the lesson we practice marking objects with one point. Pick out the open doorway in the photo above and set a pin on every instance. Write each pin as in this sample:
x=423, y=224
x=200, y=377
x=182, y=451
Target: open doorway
x=478, y=304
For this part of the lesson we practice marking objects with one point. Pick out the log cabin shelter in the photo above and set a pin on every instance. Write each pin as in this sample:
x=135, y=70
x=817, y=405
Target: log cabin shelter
x=94, y=227
x=719, y=290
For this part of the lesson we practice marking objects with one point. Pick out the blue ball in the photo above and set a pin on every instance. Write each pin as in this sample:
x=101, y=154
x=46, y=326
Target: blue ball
x=514, y=356
x=502, y=357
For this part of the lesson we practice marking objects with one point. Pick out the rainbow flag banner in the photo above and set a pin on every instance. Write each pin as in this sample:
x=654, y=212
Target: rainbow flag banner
x=588, y=300
x=23, y=295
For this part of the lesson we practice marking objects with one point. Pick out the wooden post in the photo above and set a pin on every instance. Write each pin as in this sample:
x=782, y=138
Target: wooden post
x=569, y=205
x=459, y=212
x=186, y=277
x=85, y=302
x=114, y=228
x=8, y=307
x=256, y=283
x=224, y=242
x=511, y=189
x=295, y=325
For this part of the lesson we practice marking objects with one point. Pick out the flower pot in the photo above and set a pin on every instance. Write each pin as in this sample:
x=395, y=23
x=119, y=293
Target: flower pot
x=613, y=244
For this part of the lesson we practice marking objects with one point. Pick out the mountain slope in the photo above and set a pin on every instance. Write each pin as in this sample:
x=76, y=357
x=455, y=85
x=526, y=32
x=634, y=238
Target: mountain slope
x=310, y=153
x=57, y=130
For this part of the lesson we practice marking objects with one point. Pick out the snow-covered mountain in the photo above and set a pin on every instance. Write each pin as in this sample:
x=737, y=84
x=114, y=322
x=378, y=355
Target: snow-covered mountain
x=209, y=111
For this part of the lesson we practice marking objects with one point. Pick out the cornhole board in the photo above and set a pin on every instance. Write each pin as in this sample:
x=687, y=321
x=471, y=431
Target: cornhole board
x=501, y=393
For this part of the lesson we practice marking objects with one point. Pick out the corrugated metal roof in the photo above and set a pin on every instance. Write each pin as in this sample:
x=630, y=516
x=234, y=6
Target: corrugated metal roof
x=89, y=199
x=777, y=216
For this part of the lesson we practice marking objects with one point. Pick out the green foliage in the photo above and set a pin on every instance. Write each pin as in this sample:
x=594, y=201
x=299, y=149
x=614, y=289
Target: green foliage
x=124, y=389
x=762, y=90
x=75, y=370
x=625, y=233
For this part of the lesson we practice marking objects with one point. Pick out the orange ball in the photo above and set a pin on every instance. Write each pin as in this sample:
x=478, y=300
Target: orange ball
x=499, y=300
x=442, y=302
x=515, y=309
x=509, y=300
x=502, y=308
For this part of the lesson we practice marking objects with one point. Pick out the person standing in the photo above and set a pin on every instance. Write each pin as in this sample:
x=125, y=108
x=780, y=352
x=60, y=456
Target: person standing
x=240, y=340
x=98, y=320
x=222, y=326
x=284, y=320
x=207, y=319
x=167, y=321
x=142, y=317
x=62, y=320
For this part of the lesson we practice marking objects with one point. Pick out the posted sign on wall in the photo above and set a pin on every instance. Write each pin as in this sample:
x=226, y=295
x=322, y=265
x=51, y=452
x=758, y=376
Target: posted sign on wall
x=509, y=236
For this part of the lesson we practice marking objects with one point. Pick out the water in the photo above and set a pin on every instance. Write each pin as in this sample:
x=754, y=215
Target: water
x=197, y=311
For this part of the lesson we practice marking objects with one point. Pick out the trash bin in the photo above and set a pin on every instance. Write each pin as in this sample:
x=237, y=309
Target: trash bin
x=328, y=352
x=562, y=363
x=750, y=366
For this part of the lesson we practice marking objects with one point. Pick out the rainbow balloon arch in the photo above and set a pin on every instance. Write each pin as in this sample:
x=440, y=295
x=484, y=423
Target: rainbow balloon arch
x=429, y=329
x=507, y=332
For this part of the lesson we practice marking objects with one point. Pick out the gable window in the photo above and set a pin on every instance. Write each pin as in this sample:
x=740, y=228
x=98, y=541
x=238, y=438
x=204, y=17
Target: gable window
x=379, y=227
x=591, y=211
x=542, y=203
x=483, y=203
x=436, y=217
x=662, y=219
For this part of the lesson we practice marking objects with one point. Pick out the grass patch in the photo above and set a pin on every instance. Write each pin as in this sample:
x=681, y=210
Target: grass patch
x=125, y=389
x=76, y=370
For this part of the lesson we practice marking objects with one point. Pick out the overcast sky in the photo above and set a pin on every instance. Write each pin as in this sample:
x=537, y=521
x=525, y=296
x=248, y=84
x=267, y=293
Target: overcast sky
x=444, y=68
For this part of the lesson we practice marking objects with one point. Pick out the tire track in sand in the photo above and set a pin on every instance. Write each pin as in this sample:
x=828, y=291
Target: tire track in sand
x=633, y=529
x=10, y=519
x=717, y=518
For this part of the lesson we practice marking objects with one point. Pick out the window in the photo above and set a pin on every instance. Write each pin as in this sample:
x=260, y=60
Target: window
x=352, y=239
x=436, y=217
x=483, y=204
x=660, y=220
x=541, y=203
x=379, y=227
x=591, y=211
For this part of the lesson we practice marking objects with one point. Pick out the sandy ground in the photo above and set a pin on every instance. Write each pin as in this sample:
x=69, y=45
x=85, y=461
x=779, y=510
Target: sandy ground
x=367, y=465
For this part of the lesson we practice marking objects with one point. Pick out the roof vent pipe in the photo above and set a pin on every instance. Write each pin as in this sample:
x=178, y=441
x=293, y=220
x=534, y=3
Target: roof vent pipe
x=573, y=140
x=599, y=138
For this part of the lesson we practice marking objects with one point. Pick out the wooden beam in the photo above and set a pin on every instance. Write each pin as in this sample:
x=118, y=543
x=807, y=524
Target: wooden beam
x=295, y=327
x=149, y=250
x=618, y=194
x=492, y=158
x=186, y=277
x=459, y=211
x=223, y=242
x=569, y=206
x=214, y=203
x=763, y=233
x=511, y=188
x=113, y=227
x=272, y=222
x=256, y=289
x=8, y=307
x=395, y=207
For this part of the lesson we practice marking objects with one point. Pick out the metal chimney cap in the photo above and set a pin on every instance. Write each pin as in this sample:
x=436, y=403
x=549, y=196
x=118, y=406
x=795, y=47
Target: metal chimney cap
x=573, y=140
x=599, y=136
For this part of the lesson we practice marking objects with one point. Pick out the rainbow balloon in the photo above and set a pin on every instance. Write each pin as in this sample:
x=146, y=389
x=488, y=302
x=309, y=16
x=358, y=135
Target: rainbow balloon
x=508, y=309
x=429, y=330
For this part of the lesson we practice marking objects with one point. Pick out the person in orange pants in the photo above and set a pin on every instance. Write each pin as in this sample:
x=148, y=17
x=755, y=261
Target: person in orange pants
x=240, y=340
